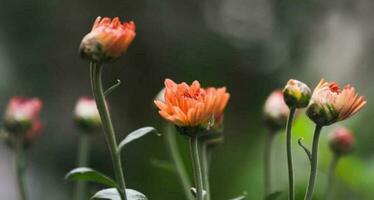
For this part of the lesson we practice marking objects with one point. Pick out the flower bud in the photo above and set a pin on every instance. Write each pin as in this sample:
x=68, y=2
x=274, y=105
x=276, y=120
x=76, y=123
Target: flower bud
x=86, y=115
x=341, y=141
x=330, y=104
x=22, y=115
x=108, y=40
x=296, y=94
x=275, y=111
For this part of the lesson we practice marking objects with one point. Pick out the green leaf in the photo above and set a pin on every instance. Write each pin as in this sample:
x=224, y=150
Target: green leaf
x=112, y=194
x=88, y=174
x=273, y=196
x=136, y=135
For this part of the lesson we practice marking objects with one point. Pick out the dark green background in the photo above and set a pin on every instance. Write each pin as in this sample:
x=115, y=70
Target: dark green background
x=250, y=46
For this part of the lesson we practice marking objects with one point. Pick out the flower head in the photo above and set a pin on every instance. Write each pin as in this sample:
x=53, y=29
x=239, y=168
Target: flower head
x=86, y=114
x=192, y=106
x=341, y=141
x=275, y=110
x=330, y=104
x=22, y=116
x=296, y=94
x=107, y=40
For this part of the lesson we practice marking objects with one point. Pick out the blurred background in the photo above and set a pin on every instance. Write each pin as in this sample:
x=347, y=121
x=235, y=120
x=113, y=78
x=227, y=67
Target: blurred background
x=250, y=46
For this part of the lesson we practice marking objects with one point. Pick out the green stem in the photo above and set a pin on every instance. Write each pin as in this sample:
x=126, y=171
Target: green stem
x=171, y=142
x=98, y=93
x=205, y=167
x=198, y=177
x=313, y=163
x=331, y=175
x=83, y=159
x=267, y=163
x=20, y=167
x=291, y=187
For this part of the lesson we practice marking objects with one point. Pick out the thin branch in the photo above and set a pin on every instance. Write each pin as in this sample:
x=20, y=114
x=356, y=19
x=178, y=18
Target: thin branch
x=300, y=142
x=112, y=88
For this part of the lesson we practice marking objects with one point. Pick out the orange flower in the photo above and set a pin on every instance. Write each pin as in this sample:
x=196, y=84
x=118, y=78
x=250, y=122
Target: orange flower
x=192, y=106
x=330, y=104
x=107, y=40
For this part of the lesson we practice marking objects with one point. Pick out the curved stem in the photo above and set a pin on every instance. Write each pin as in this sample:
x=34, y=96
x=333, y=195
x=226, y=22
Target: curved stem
x=98, y=93
x=306, y=150
x=177, y=160
x=331, y=175
x=83, y=159
x=267, y=163
x=20, y=167
x=314, y=161
x=291, y=187
x=205, y=167
x=194, y=147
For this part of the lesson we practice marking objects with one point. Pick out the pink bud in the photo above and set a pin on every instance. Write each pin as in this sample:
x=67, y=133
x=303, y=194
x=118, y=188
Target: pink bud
x=22, y=115
x=86, y=114
x=275, y=110
x=341, y=141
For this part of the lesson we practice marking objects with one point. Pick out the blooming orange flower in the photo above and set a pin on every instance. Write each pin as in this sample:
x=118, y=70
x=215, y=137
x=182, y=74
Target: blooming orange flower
x=330, y=104
x=107, y=40
x=191, y=106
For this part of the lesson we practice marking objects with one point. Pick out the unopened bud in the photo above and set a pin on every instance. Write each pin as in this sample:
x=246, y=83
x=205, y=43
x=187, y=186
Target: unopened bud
x=341, y=141
x=296, y=94
x=275, y=111
x=86, y=115
x=22, y=115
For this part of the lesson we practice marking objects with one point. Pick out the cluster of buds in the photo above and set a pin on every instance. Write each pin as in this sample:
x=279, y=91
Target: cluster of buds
x=328, y=103
x=22, y=118
x=86, y=115
x=191, y=106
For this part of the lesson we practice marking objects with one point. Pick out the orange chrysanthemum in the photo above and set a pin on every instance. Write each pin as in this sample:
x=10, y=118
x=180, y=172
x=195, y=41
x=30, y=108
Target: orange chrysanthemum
x=330, y=104
x=192, y=106
x=107, y=40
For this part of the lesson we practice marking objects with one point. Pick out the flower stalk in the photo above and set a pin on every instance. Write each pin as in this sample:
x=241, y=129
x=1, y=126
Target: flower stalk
x=204, y=152
x=313, y=163
x=20, y=167
x=83, y=160
x=171, y=142
x=98, y=93
x=291, y=186
x=197, y=168
x=267, y=163
x=331, y=176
